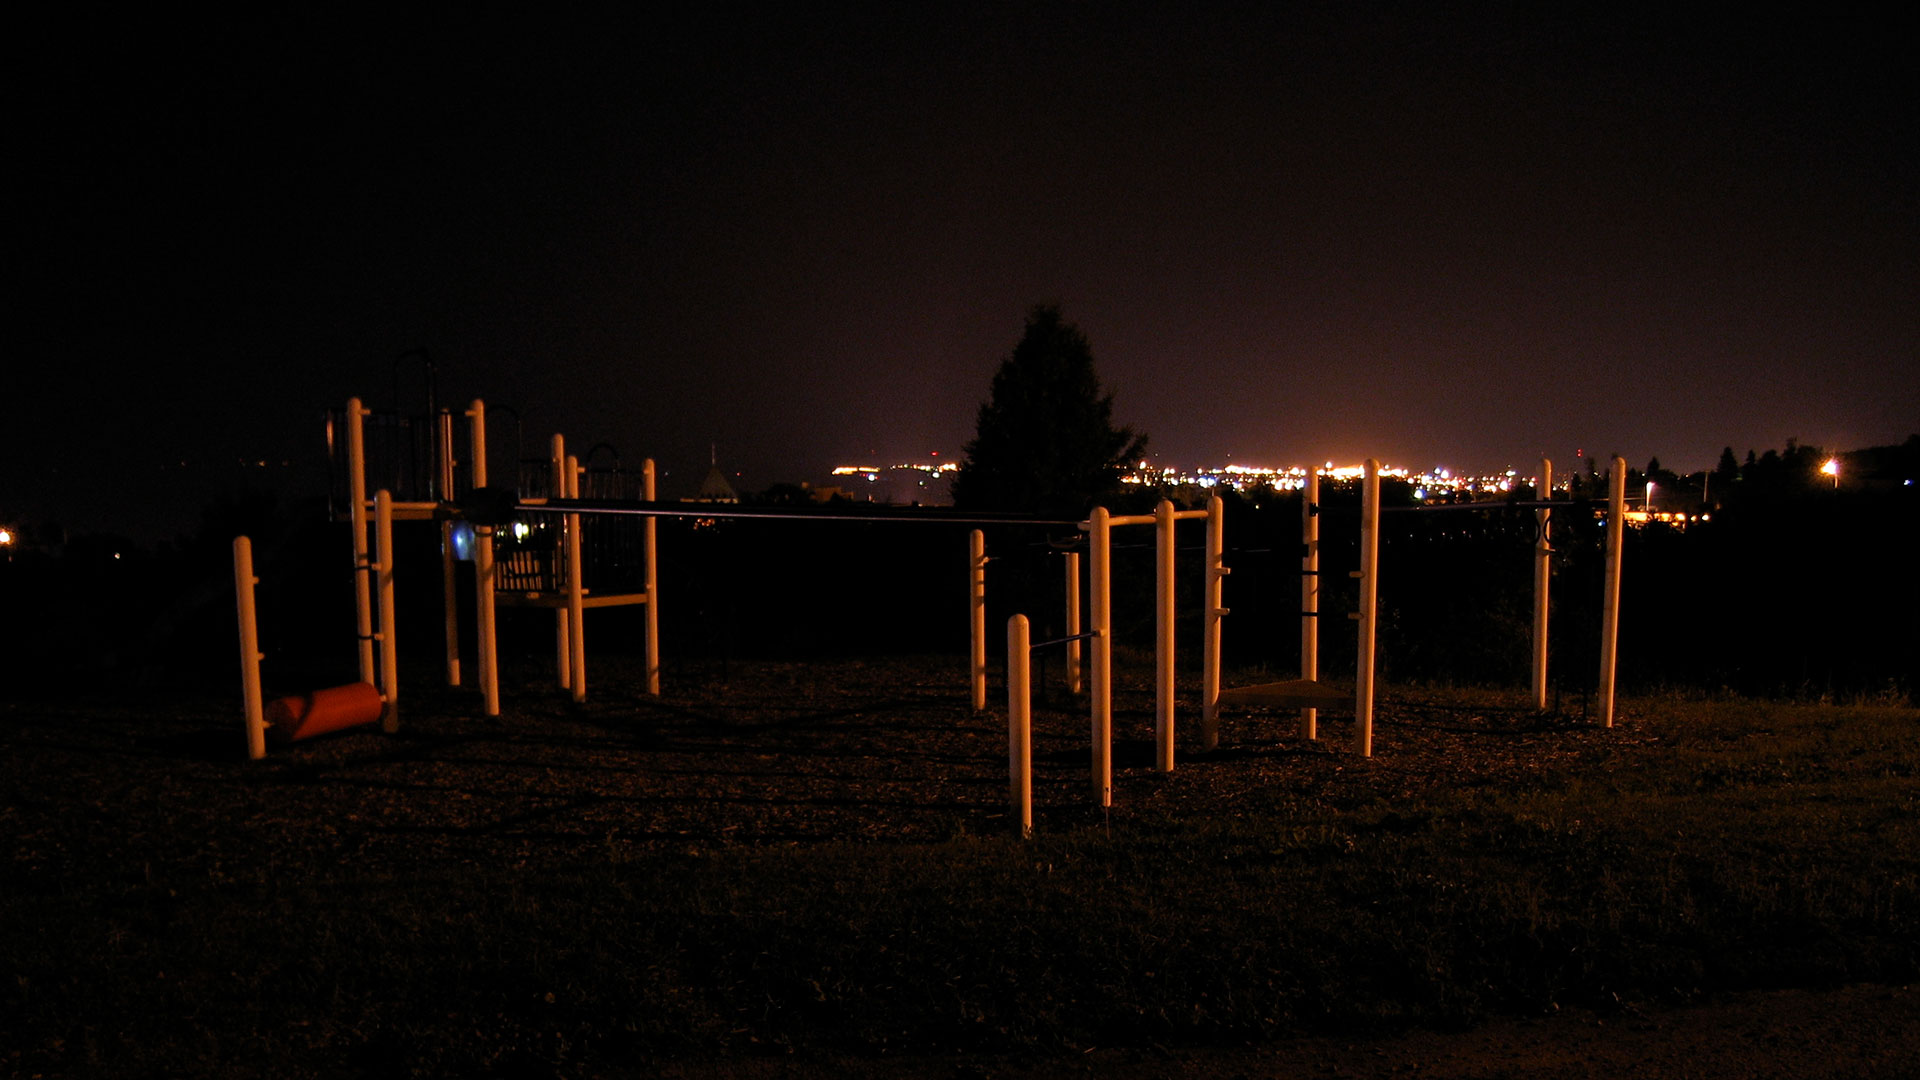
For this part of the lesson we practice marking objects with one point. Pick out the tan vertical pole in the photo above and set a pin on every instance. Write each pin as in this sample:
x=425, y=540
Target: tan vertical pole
x=450, y=599
x=1542, y=581
x=977, y=616
x=362, y=566
x=1019, y=725
x=650, y=583
x=1610, y=599
x=1369, y=575
x=389, y=654
x=576, y=592
x=1310, y=595
x=1100, y=582
x=562, y=650
x=250, y=656
x=1163, y=565
x=1072, y=559
x=1210, y=648
x=483, y=572
x=450, y=603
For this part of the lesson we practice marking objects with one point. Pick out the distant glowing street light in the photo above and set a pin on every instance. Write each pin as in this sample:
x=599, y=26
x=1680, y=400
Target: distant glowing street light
x=1832, y=468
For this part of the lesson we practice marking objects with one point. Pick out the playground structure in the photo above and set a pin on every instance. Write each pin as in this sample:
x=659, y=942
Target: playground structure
x=1099, y=527
x=555, y=576
x=536, y=565
x=1306, y=693
x=552, y=576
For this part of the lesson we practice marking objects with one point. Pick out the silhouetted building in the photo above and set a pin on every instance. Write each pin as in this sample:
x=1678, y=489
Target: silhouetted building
x=716, y=489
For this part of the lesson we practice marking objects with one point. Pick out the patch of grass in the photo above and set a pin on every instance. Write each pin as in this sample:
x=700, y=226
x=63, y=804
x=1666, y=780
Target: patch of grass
x=1739, y=845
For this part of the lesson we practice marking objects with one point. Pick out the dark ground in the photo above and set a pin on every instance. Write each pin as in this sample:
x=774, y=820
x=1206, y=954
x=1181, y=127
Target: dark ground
x=770, y=753
x=105, y=789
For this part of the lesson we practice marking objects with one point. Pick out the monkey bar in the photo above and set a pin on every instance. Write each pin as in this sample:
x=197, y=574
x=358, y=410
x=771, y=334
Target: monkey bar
x=1020, y=714
x=1308, y=693
x=1098, y=527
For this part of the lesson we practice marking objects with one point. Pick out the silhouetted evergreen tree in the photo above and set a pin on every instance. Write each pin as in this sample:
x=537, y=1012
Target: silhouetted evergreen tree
x=1045, y=440
x=1728, y=470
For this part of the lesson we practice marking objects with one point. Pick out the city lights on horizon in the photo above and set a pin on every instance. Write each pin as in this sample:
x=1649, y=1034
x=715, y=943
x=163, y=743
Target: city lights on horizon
x=872, y=472
x=1436, y=481
x=1292, y=478
x=911, y=481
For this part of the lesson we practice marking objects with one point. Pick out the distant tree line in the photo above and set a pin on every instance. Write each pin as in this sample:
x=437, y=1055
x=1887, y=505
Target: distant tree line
x=1794, y=472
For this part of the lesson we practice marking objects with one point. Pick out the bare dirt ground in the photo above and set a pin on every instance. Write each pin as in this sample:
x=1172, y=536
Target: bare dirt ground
x=100, y=787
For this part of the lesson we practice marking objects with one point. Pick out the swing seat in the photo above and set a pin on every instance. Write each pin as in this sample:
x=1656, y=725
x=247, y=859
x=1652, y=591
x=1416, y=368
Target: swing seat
x=1292, y=694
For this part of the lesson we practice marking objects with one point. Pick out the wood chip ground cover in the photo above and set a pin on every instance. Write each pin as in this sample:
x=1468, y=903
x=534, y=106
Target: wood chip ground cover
x=117, y=805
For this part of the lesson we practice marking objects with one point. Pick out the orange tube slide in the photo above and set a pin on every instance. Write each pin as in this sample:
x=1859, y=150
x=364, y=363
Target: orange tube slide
x=303, y=717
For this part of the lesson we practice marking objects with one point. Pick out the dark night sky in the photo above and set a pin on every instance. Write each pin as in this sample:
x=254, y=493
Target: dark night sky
x=1292, y=233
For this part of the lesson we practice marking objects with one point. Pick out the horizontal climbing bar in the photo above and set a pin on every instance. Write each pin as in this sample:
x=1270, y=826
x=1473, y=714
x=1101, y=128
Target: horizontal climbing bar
x=636, y=508
x=1063, y=640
